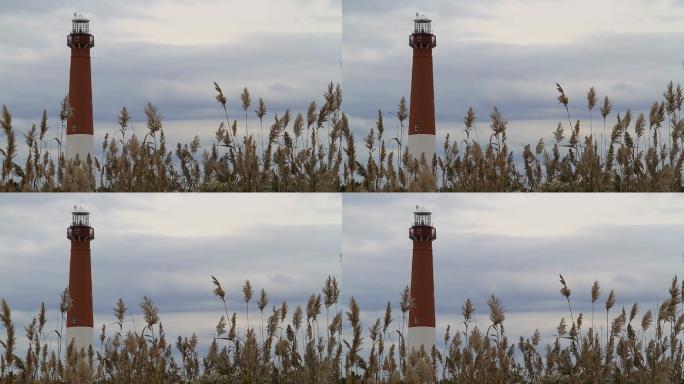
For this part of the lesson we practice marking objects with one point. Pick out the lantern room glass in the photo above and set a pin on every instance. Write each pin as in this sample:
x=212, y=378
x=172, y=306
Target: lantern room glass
x=80, y=26
x=422, y=219
x=80, y=219
x=422, y=27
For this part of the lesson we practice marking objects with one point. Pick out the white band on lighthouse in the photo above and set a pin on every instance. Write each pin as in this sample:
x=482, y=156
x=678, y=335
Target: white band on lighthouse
x=421, y=337
x=82, y=337
x=79, y=144
x=421, y=143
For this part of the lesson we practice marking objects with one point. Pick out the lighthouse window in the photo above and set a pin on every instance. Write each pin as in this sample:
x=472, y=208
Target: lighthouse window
x=417, y=127
x=73, y=127
x=73, y=320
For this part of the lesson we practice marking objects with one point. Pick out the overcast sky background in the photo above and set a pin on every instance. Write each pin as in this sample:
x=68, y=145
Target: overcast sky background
x=504, y=53
x=510, y=54
x=515, y=246
x=169, y=52
x=167, y=246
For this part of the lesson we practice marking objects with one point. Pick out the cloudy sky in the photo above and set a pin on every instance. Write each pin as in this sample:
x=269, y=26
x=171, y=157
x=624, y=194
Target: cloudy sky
x=504, y=53
x=169, y=52
x=510, y=54
x=167, y=246
x=515, y=246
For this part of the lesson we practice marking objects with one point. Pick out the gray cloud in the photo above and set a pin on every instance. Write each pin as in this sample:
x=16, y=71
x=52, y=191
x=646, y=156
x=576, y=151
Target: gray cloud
x=287, y=71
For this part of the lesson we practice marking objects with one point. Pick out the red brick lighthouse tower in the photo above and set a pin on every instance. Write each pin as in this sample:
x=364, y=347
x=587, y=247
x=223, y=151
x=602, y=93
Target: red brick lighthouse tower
x=80, y=124
x=421, y=135
x=421, y=331
x=80, y=315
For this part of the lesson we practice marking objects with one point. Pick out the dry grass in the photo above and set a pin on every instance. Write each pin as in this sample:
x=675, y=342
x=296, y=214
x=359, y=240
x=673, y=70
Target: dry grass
x=294, y=347
x=315, y=150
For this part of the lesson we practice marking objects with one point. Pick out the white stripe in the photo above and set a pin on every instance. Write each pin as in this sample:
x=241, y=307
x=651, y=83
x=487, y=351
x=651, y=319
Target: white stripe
x=82, y=336
x=421, y=143
x=79, y=144
x=421, y=337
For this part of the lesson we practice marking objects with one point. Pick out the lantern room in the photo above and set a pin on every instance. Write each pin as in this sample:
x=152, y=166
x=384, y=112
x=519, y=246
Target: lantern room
x=422, y=229
x=80, y=228
x=422, y=25
x=80, y=36
x=422, y=36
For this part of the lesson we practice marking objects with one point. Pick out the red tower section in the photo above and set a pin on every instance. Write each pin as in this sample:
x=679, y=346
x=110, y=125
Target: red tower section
x=80, y=313
x=422, y=105
x=80, y=122
x=422, y=312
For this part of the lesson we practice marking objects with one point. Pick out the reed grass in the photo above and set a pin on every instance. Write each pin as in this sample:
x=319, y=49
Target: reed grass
x=315, y=150
x=296, y=347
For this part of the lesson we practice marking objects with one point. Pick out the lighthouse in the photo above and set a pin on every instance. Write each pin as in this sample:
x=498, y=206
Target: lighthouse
x=80, y=313
x=421, y=135
x=421, y=331
x=79, y=130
